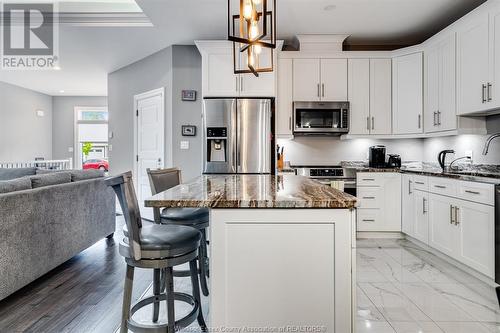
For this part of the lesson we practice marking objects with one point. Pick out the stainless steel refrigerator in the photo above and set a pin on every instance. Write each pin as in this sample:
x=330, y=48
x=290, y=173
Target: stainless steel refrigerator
x=237, y=136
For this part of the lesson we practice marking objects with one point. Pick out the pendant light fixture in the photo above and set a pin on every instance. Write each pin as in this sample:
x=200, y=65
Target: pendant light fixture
x=253, y=33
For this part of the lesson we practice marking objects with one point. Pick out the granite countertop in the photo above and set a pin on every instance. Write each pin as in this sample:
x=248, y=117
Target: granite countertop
x=480, y=174
x=252, y=191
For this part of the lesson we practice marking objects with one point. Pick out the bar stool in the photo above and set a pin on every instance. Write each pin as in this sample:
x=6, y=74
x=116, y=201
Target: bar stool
x=162, y=180
x=157, y=247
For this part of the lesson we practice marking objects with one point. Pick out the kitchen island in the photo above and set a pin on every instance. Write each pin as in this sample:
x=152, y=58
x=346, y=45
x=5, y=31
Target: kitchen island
x=282, y=251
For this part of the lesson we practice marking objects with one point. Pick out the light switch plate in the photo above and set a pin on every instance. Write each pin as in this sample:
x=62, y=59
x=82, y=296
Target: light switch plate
x=40, y=113
x=184, y=145
x=70, y=149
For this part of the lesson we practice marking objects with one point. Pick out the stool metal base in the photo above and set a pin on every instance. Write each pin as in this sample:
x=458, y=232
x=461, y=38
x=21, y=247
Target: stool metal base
x=162, y=328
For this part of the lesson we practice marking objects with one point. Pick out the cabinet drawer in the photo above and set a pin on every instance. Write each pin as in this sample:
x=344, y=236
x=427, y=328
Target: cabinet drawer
x=477, y=192
x=421, y=183
x=443, y=186
x=369, y=220
x=370, y=179
x=370, y=197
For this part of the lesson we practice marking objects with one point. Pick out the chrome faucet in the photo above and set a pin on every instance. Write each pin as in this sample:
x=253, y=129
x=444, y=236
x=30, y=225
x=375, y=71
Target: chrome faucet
x=488, y=142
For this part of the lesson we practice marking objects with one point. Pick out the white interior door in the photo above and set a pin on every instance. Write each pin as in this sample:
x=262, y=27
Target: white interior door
x=150, y=152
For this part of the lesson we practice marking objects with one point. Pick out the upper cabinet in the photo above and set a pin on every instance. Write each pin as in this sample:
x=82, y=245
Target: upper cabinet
x=219, y=80
x=370, y=84
x=407, y=94
x=440, y=109
x=478, y=70
x=284, y=102
x=319, y=80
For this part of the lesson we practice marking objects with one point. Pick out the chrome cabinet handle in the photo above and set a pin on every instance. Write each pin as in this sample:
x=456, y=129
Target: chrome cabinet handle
x=241, y=83
x=368, y=179
x=373, y=123
x=439, y=186
x=419, y=121
x=370, y=220
x=423, y=205
x=419, y=183
x=472, y=192
x=457, y=216
x=435, y=117
x=319, y=94
x=439, y=118
x=237, y=83
x=484, y=93
x=368, y=123
x=290, y=123
x=323, y=90
x=490, y=98
x=452, y=209
x=370, y=198
x=409, y=187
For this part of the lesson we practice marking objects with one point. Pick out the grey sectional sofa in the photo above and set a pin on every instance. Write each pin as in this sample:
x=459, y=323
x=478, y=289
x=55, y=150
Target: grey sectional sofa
x=46, y=219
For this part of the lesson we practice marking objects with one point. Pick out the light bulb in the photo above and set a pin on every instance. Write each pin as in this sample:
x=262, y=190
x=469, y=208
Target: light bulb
x=257, y=2
x=251, y=59
x=247, y=10
x=254, y=30
x=257, y=49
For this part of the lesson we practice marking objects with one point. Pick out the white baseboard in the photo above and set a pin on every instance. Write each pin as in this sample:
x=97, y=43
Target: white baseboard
x=379, y=235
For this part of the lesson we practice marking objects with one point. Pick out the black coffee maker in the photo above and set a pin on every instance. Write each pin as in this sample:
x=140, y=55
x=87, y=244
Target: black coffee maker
x=377, y=157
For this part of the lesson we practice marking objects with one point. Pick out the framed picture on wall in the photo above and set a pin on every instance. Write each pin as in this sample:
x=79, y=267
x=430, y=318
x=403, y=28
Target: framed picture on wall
x=188, y=130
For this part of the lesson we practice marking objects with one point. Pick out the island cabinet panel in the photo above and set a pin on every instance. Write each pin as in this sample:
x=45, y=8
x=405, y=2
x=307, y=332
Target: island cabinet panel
x=281, y=268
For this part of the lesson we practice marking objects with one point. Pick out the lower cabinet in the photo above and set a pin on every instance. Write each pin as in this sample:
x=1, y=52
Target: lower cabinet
x=379, y=207
x=461, y=229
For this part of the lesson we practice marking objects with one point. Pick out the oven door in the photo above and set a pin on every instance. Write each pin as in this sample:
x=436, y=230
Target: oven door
x=349, y=184
x=320, y=118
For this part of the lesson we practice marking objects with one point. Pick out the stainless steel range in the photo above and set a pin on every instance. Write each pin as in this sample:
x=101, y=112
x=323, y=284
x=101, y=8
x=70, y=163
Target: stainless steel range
x=327, y=174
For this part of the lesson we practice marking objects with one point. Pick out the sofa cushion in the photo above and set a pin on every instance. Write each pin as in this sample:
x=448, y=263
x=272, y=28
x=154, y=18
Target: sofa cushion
x=8, y=174
x=49, y=179
x=47, y=171
x=78, y=175
x=13, y=185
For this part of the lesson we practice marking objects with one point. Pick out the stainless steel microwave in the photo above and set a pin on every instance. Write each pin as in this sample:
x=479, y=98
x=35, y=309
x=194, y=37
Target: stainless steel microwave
x=321, y=118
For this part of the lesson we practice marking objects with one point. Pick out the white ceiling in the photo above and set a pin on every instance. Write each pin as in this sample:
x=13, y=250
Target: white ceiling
x=87, y=54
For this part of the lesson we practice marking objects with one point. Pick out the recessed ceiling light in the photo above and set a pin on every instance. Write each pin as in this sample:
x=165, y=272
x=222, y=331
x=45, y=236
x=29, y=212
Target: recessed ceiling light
x=56, y=68
x=330, y=8
x=61, y=91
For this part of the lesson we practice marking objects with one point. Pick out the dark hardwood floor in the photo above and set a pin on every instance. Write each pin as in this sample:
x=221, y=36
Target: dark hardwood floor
x=82, y=295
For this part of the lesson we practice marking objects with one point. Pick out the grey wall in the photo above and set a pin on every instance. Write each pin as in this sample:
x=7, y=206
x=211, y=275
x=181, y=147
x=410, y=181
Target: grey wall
x=175, y=68
x=150, y=73
x=186, y=76
x=63, y=120
x=328, y=150
x=24, y=135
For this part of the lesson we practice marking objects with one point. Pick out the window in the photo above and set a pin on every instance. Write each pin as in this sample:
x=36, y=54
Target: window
x=93, y=115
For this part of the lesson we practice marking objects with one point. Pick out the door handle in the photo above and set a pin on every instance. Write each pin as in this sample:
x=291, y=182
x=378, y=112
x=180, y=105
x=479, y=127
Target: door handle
x=457, y=216
x=439, y=117
x=452, y=221
x=484, y=93
x=368, y=123
x=490, y=98
x=319, y=93
x=419, y=121
x=373, y=123
x=423, y=205
x=323, y=90
x=435, y=117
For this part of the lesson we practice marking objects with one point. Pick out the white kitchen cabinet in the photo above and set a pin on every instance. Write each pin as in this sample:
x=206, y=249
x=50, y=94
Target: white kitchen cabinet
x=381, y=96
x=320, y=80
x=218, y=74
x=219, y=80
x=407, y=94
x=440, y=110
x=370, y=96
x=443, y=234
x=379, y=197
x=495, y=57
x=306, y=80
x=476, y=223
x=284, y=102
x=421, y=230
x=407, y=205
x=473, y=56
x=264, y=84
x=334, y=80
x=359, y=95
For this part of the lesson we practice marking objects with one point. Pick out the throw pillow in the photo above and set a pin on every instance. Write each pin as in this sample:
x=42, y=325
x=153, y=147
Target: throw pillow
x=14, y=185
x=49, y=179
x=8, y=174
x=78, y=175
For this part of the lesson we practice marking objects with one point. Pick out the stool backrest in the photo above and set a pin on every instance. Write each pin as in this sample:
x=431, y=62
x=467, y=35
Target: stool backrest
x=124, y=189
x=163, y=179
